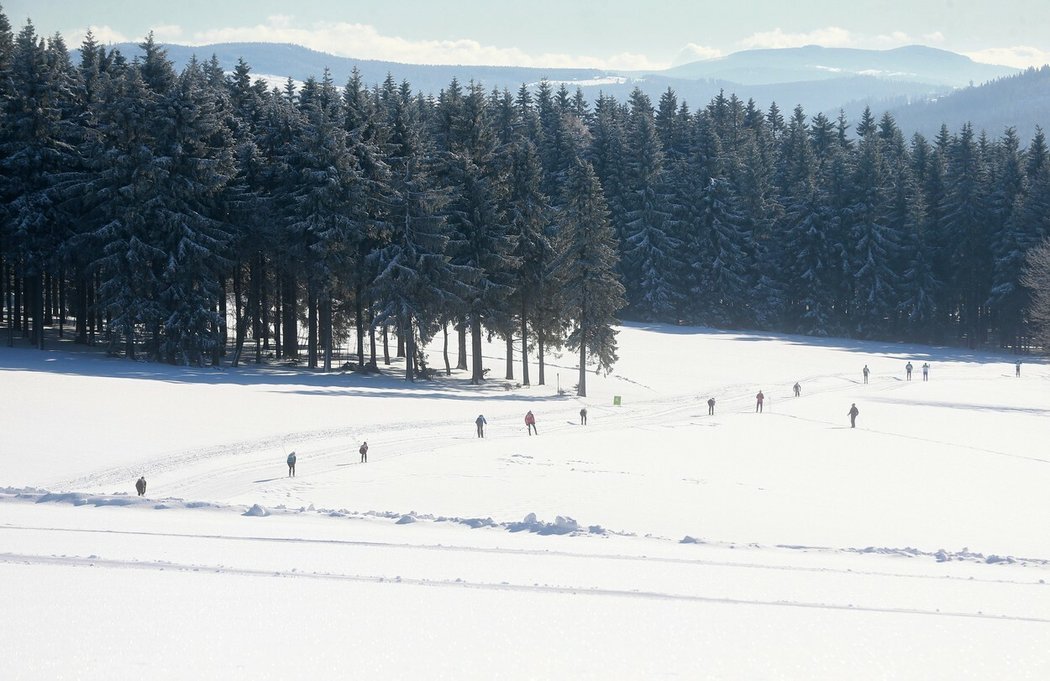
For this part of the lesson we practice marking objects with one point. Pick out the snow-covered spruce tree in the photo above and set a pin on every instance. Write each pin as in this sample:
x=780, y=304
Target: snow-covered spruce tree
x=873, y=243
x=724, y=249
x=276, y=136
x=1036, y=278
x=38, y=146
x=965, y=218
x=1010, y=239
x=415, y=280
x=806, y=259
x=650, y=250
x=329, y=214
x=591, y=291
x=247, y=207
x=529, y=215
x=479, y=244
x=195, y=148
x=367, y=119
x=918, y=286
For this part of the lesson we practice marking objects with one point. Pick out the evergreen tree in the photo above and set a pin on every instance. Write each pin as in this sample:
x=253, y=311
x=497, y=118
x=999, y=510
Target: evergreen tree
x=649, y=248
x=586, y=270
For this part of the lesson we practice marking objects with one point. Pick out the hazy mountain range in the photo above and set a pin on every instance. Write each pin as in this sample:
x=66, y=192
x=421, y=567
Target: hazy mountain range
x=918, y=84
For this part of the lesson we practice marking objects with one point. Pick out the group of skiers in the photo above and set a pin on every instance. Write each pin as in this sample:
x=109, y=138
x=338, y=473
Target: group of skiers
x=530, y=427
x=362, y=450
x=530, y=422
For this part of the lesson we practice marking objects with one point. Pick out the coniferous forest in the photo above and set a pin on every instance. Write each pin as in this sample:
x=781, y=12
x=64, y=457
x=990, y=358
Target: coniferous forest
x=203, y=217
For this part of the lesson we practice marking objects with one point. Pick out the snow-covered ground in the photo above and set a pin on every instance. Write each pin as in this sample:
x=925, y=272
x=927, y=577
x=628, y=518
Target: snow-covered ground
x=655, y=542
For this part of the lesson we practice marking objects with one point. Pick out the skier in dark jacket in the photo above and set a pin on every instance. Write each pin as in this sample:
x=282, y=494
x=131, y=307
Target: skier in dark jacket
x=1017, y=369
x=853, y=411
x=798, y=389
x=711, y=407
x=480, y=423
x=583, y=416
x=140, y=486
x=866, y=372
x=291, y=465
x=364, y=452
x=759, y=398
x=925, y=371
x=907, y=370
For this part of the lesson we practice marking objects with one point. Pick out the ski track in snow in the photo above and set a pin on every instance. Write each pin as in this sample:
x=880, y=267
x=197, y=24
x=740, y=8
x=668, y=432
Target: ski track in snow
x=501, y=586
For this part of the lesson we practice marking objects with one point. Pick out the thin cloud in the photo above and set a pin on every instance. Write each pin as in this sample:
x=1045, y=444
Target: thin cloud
x=363, y=41
x=1021, y=56
x=831, y=36
x=693, y=52
x=104, y=35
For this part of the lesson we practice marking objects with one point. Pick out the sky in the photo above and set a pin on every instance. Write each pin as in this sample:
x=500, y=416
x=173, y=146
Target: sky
x=604, y=34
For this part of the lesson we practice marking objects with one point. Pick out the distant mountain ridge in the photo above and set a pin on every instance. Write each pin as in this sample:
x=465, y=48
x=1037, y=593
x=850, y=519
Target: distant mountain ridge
x=915, y=63
x=904, y=80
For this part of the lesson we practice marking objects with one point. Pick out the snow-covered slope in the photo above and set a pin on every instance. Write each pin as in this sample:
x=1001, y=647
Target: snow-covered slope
x=657, y=540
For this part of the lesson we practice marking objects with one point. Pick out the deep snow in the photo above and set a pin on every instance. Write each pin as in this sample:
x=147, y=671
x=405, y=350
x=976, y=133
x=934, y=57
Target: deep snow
x=656, y=541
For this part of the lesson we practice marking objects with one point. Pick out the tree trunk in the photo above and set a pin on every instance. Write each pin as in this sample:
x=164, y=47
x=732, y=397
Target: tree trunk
x=239, y=317
x=254, y=290
x=405, y=331
x=401, y=344
x=477, y=371
x=291, y=313
x=581, y=386
x=386, y=346
x=540, y=346
x=444, y=349
x=524, y=346
x=359, y=313
x=461, y=332
x=311, y=328
x=278, y=310
x=62, y=305
x=326, y=331
x=372, y=342
x=510, y=357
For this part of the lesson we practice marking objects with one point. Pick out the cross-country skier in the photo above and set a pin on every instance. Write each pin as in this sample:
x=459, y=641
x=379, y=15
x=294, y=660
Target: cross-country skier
x=907, y=370
x=866, y=372
x=583, y=416
x=1017, y=369
x=480, y=423
x=530, y=422
x=925, y=371
x=291, y=465
x=364, y=452
x=758, y=401
x=853, y=411
x=798, y=389
x=711, y=407
x=140, y=486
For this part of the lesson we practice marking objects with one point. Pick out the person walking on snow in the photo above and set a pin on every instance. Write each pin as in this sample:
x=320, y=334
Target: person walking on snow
x=364, y=452
x=866, y=372
x=583, y=416
x=480, y=423
x=530, y=423
x=758, y=402
x=925, y=371
x=1017, y=369
x=140, y=486
x=853, y=411
x=291, y=465
x=907, y=370
x=711, y=407
x=798, y=389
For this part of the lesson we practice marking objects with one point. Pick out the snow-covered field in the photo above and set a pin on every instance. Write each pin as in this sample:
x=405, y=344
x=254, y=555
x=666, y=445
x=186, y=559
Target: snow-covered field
x=655, y=542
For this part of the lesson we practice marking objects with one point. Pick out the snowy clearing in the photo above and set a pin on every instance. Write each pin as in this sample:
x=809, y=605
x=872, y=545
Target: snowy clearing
x=657, y=541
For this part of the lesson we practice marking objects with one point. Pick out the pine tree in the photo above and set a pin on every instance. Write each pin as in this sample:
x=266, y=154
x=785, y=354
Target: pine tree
x=586, y=271
x=649, y=247
x=415, y=280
